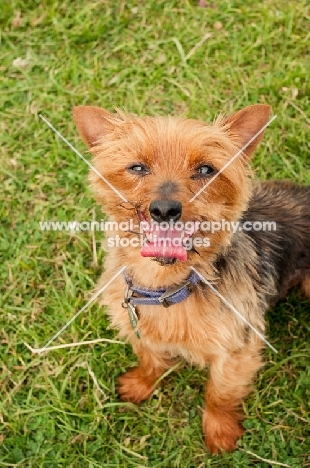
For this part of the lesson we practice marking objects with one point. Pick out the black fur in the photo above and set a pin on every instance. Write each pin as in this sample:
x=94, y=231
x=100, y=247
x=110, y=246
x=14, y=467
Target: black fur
x=275, y=260
x=286, y=250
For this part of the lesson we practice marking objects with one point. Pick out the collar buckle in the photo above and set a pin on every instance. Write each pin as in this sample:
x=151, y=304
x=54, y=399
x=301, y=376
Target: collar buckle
x=164, y=298
x=132, y=313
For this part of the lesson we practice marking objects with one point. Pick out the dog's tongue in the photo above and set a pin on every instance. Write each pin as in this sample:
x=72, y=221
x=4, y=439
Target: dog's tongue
x=164, y=244
x=152, y=250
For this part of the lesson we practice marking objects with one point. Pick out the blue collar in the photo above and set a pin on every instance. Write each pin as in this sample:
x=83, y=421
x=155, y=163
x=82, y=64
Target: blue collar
x=163, y=297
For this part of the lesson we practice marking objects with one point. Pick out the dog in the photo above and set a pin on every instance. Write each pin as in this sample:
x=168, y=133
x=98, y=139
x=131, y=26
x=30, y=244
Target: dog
x=205, y=303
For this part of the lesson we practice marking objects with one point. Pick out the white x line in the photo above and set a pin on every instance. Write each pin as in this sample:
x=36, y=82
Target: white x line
x=82, y=157
x=233, y=308
x=124, y=267
x=233, y=158
x=81, y=310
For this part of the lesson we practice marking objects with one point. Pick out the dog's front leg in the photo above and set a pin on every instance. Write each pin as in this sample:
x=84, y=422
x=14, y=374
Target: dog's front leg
x=138, y=383
x=230, y=380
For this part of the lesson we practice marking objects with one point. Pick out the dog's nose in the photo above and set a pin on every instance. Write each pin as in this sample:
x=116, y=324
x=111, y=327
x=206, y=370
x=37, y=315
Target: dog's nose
x=165, y=210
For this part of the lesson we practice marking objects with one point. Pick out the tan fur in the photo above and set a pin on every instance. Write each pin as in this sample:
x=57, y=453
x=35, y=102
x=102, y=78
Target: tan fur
x=201, y=329
x=305, y=286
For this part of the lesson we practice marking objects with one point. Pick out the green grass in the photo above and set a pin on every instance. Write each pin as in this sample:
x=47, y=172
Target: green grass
x=133, y=55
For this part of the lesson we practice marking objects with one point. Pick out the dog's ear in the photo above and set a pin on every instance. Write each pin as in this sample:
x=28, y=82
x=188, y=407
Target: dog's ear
x=245, y=124
x=93, y=123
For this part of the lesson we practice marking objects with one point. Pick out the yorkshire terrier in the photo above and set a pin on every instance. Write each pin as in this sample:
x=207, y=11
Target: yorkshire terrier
x=185, y=295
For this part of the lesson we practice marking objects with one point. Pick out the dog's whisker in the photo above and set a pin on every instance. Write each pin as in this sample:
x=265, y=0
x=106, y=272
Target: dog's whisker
x=125, y=207
x=135, y=232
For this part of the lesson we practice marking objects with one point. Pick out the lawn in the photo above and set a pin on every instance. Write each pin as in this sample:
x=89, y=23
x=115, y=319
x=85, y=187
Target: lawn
x=60, y=409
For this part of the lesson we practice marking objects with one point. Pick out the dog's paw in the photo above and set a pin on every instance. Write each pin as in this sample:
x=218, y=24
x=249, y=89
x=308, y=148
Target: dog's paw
x=221, y=431
x=134, y=386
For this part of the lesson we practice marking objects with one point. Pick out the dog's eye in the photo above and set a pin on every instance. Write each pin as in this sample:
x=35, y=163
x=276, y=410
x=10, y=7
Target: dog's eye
x=139, y=169
x=205, y=170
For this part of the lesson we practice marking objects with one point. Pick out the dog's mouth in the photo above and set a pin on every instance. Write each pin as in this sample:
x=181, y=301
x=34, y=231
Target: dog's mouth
x=165, y=243
x=164, y=261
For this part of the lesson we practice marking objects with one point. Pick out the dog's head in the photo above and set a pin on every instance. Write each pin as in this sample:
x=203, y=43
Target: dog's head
x=180, y=172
